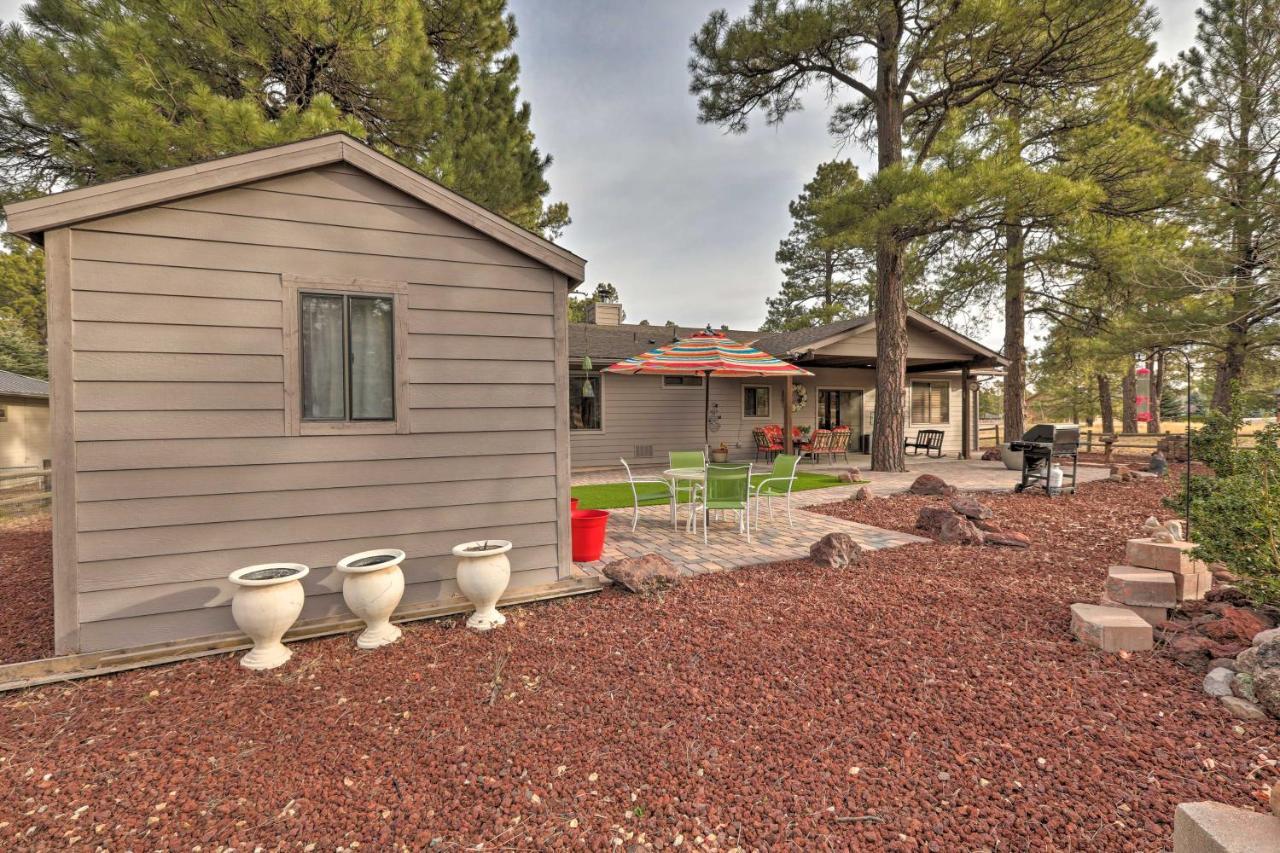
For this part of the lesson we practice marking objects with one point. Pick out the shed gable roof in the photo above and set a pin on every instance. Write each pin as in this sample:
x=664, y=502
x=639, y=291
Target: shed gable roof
x=34, y=217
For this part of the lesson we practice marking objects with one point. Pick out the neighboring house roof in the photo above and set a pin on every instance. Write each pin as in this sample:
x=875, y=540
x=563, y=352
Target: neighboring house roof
x=781, y=343
x=617, y=342
x=34, y=217
x=623, y=341
x=17, y=385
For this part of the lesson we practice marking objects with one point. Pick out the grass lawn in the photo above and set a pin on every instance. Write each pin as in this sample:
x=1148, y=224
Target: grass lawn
x=616, y=495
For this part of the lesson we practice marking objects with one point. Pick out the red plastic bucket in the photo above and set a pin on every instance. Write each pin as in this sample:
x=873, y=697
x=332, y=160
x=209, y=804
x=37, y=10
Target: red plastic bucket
x=588, y=534
x=573, y=503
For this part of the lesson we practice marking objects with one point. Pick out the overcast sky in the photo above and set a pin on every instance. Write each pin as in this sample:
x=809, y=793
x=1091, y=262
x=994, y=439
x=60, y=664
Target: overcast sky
x=683, y=218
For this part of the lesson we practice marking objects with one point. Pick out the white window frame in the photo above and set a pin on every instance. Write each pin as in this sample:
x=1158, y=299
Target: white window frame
x=911, y=396
x=768, y=389
x=293, y=286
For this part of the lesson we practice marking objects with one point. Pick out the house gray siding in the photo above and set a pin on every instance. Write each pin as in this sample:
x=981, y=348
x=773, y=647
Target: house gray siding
x=638, y=411
x=176, y=393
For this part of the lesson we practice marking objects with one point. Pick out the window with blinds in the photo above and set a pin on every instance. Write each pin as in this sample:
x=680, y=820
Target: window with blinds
x=930, y=402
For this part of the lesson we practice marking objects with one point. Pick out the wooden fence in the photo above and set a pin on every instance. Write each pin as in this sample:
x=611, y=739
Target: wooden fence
x=1091, y=439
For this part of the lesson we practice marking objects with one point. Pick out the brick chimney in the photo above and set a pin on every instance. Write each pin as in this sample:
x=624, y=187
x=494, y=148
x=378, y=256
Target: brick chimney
x=604, y=313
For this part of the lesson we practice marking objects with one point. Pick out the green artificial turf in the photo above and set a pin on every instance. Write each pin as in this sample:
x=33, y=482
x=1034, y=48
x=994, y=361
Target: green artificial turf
x=617, y=495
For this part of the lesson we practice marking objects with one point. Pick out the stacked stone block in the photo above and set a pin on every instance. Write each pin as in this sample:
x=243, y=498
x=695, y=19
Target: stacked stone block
x=1138, y=595
x=1191, y=577
x=1147, y=592
x=1112, y=629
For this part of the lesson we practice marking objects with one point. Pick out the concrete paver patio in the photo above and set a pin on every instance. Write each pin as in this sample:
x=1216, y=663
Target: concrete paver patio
x=772, y=539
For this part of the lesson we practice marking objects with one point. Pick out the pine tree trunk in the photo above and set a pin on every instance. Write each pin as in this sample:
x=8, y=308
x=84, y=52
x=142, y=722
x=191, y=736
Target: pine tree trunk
x=829, y=276
x=1230, y=369
x=1015, y=331
x=1105, y=405
x=1128, y=408
x=891, y=303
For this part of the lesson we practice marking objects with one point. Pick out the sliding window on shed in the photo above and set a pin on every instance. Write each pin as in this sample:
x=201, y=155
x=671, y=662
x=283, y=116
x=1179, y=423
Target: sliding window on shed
x=348, y=357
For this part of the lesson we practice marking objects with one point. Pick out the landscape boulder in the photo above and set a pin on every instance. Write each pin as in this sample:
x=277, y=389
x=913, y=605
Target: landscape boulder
x=930, y=518
x=1243, y=709
x=971, y=508
x=835, y=551
x=1158, y=465
x=958, y=530
x=1234, y=623
x=1263, y=636
x=643, y=574
x=849, y=475
x=1190, y=650
x=863, y=494
x=930, y=484
x=1266, y=676
x=1242, y=686
x=1010, y=539
x=1218, y=682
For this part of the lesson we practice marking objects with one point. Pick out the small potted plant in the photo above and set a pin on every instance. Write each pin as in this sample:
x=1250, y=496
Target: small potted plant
x=268, y=600
x=483, y=574
x=372, y=586
x=720, y=454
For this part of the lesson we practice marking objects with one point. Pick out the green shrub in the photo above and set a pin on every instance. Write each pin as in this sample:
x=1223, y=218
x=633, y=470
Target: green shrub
x=1235, y=514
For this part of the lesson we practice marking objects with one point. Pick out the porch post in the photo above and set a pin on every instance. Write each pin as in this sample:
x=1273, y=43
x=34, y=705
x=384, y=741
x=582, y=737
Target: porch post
x=786, y=418
x=964, y=412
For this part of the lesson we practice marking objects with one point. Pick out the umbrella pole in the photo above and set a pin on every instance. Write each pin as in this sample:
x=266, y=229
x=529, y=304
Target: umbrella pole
x=706, y=413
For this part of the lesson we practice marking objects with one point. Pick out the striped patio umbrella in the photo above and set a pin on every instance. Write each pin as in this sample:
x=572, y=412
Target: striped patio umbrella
x=707, y=354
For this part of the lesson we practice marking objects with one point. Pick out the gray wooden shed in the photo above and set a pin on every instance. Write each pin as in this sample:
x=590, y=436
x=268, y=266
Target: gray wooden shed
x=192, y=314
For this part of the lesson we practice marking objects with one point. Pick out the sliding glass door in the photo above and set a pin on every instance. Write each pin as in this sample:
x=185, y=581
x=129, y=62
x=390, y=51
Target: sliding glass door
x=840, y=407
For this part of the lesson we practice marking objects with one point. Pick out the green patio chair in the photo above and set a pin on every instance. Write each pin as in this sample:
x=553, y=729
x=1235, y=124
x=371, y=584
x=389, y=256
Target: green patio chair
x=778, y=483
x=686, y=459
x=726, y=488
x=648, y=491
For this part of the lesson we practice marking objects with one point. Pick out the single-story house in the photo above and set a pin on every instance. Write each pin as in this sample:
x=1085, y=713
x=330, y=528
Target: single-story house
x=294, y=354
x=642, y=418
x=24, y=421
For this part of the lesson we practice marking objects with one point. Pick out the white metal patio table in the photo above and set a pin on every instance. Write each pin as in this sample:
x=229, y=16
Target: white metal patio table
x=682, y=475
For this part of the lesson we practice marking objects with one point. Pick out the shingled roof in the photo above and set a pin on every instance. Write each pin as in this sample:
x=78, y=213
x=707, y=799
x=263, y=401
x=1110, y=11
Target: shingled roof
x=612, y=343
x=781, y=343
x=17, y=385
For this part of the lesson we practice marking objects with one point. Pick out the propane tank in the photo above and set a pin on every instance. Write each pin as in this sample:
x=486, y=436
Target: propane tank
x=1055, y=477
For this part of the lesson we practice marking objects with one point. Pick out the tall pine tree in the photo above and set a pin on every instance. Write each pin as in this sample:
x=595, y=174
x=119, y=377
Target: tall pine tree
x=906, y=67
x=92, y=90
x=825, y=276
x=1233, y=82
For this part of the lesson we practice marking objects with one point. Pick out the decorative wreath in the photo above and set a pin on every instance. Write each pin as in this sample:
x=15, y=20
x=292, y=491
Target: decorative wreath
x=799, y=396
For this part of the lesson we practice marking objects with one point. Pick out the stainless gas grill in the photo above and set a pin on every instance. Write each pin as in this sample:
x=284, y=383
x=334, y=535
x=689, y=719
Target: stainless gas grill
x=1040, y=446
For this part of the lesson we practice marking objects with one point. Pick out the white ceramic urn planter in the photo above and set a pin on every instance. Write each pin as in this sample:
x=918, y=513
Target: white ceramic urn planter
x=372, y=587
x=483, y=574
x=267, y=602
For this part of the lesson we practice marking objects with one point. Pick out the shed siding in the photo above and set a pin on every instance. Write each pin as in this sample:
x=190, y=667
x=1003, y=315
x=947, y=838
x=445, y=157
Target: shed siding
x=184, y=471
x=638, y=410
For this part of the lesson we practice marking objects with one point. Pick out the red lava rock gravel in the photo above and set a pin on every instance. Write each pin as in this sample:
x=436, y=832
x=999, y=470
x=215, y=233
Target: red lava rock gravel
x=26, y=589
x=927, y=698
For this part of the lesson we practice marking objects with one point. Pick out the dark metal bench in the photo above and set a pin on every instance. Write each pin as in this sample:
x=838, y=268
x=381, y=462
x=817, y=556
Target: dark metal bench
x=928, y=440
